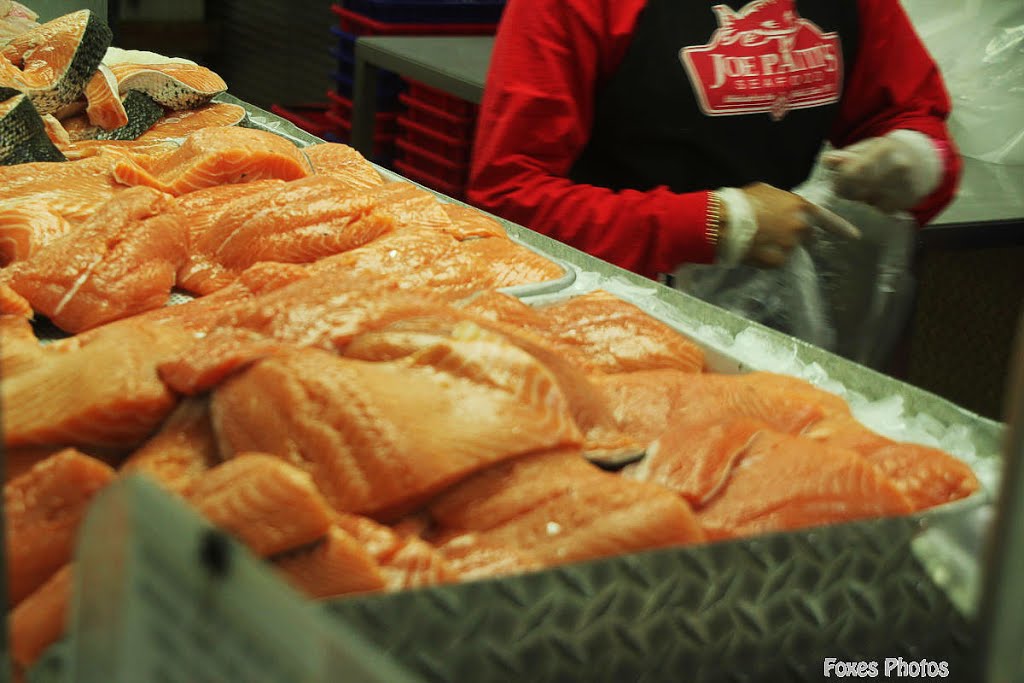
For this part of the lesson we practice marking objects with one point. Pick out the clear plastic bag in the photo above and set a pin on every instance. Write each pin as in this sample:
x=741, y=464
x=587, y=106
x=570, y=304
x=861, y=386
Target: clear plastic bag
x=852, y=297
x=979, y=46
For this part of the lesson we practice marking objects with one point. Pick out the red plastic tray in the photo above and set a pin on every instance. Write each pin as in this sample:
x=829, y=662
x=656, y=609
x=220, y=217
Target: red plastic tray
x=341, y=107
x=424, y=178
x=436, y=119
x=344, y=126
x=442, y=100
x=360, y=25
x=312, y=118
x=433, y=165
x=456, y=149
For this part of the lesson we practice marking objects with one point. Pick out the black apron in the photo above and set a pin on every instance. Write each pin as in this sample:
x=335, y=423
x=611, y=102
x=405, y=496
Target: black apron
x=721, y=97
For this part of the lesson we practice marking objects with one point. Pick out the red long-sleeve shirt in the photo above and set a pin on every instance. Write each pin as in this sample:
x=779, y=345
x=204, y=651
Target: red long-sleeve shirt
x=551, y=57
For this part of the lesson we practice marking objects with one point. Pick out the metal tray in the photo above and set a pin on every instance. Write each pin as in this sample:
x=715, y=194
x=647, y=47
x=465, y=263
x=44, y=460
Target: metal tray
x=770, y=608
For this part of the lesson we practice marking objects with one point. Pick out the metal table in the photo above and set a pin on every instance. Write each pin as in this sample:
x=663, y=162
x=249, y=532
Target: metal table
x=456, y=65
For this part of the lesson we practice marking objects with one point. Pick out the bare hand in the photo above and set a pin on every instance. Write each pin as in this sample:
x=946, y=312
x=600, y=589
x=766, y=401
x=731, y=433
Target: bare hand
x=785, y=220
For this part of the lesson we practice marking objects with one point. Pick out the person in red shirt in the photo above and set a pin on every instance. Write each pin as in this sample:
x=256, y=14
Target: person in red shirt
x=653, y=133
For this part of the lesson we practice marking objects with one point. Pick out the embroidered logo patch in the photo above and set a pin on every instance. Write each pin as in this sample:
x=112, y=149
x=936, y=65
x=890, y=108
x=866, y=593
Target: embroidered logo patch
x=764, y=58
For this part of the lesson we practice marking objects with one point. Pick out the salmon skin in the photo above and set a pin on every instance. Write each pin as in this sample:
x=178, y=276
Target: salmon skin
x=52, y=63
x=43, y=509
x=170, y=84
x=23, y=136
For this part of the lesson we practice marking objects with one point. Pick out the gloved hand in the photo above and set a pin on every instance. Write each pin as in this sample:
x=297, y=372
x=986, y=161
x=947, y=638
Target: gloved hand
x=891, y=173
x=763, y=224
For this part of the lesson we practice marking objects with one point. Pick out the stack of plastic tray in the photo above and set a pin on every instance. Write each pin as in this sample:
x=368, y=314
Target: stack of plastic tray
x=314, y=118
x=435, y=139
x=394, y=18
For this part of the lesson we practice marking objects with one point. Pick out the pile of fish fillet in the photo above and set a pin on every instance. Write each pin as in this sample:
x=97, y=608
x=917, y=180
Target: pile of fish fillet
x=348, y=392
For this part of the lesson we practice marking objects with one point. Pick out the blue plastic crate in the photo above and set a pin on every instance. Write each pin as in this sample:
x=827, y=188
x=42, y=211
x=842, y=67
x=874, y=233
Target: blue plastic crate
x=387, y=94
x=346, y=41
x=429, y=11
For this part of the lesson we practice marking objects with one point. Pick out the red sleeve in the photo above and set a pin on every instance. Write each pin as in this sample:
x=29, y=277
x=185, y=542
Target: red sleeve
x=549, y=59
x=896, y=84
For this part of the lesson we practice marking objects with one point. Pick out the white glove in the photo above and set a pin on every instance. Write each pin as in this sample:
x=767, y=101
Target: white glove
x=891, y=173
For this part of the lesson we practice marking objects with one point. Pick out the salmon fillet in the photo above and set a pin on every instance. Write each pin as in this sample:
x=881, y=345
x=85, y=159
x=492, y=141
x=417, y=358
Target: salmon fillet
x=27, y=226
x=324, y=312
x=121, y=262
x=297, y=222
x=337, y=565
x=105, y=109
x=215, y=156
x=785, y=482
x=43, y=509
x=468, y=222
x=181, y=124
x=269, y=505
x=695, y=458
x=613, y=335
x=498, y=262
x=405, y=561
x=603, y=441
x=182, y=452
x=101, y=390
x=643, y=403
x=927, y=476
x=560, y=509
x=344, y=164
x=72, y=190
x=39, y=621
x=360, y=430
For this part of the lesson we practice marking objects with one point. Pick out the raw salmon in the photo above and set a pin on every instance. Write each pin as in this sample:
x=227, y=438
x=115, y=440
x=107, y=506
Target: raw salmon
x=643, y=403
x=297, y=222
x=324, y=312
x=105, y=109
x=405, y=561
x=39, y=621
x=366, y=439
x=560, y=509
x=181, y=124
x=409, y=206
x=14, y=304
x=498, y=262
x=343, y=163
x=269, y=505
x=182, y=452
x=173, y=85
x=337, y=565
x=927, y=476
x=695, y=458
x=27, y=226
x=603, y=441
x=474, y=556
x=43, y=509
x=72, y=190
x=613, y=335
x=120, y=262
x=469, y=222
x=53, y=62
x=216, y=156
x=24, y=136
x=100, y=390
x=786, y=482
